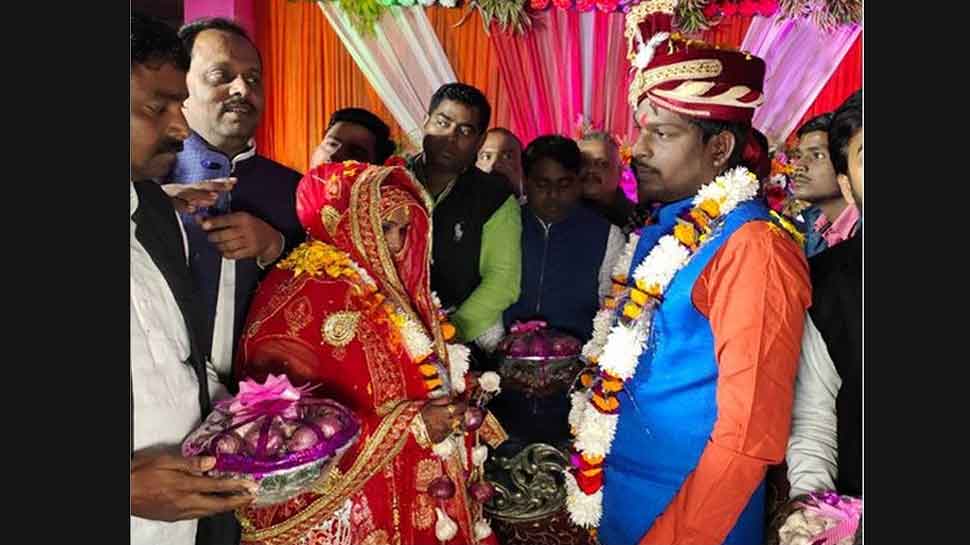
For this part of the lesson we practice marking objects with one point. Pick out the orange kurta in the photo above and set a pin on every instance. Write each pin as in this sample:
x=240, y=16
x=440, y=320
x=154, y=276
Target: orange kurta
x=754, y=292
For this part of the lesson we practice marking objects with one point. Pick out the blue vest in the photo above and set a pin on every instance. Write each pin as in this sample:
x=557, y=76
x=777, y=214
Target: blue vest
x=560, y=271
x=668, y=408
x=265, y=189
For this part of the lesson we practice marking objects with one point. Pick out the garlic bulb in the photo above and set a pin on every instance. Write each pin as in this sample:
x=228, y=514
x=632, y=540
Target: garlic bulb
x=445, y=528
x=482, y=530
x=479, y=454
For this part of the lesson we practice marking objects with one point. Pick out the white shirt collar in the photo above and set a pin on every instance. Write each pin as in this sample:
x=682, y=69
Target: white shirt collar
x=132, y=198
x=245, y=154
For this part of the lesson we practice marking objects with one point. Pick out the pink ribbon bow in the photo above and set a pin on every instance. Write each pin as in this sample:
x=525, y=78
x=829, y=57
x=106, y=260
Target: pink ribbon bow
x=274, y=397
x=846, y=510
x=526, y=327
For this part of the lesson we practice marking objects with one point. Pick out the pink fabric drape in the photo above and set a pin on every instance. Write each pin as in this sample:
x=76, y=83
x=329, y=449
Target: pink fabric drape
x=611, y=76
x=543, y=74
x=800, y=59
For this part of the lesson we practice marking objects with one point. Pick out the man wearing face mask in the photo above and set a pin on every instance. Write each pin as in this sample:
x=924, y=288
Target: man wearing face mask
x=477, y=224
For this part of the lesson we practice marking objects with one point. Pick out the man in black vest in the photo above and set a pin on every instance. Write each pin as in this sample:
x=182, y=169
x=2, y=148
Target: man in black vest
x=837, y=297
x=825, y=449
x=169, y=388
x=476, y=264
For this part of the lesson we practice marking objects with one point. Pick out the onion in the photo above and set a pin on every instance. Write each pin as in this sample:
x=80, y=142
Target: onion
x=442, y=488
x=564, y=346
x=473, y=419
x=329, y=425
x=303, y=438
x=226, y=443
x=539, y=346
x=274, y=441
x=519, y=348
x=482, y=491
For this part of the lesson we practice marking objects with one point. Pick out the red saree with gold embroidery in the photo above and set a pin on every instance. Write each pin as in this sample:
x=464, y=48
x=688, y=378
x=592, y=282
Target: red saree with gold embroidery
x=323, y=319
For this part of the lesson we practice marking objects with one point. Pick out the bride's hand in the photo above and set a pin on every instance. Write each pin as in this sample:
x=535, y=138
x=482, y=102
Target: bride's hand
x=443, y=416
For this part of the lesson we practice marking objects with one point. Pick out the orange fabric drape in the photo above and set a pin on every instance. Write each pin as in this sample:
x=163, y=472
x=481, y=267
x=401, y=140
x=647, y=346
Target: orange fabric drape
x=308, y=75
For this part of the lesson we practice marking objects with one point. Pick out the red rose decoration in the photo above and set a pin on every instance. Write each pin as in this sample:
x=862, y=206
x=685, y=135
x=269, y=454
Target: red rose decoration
x=729, y=9
x=775, y=196
x=589, y=485
x=607, y=6
x=538, y=4
x=748, y=8
x=767, y=8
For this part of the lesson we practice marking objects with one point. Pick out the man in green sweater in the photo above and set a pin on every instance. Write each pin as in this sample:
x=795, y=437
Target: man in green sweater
x=476, y=255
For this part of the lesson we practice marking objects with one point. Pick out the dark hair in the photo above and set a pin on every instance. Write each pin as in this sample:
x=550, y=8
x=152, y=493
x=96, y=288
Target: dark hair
x=152, y=41
x=190, y=31
x=846, y=122
x=757, y=156
x=384, y=146
x=506, y=132
x=816, y=124
x=710, y=128
x=467, y=95
x=854, y=100
x=599, y=136
x=552, y=146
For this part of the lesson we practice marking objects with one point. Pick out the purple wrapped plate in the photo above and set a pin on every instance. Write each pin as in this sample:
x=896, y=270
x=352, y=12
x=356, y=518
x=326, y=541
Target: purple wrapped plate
x=538, y=360
x=276, y=435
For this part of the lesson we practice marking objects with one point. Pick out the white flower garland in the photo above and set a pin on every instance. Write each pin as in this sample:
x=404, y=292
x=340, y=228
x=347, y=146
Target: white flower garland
x=416, y=341
x=584, y=510
x=617, y=344
x=622, y=267
x=459, y=357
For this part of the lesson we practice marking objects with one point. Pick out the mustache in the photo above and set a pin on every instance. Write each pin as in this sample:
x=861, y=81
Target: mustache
x=170, y=145
x=641, y=167
x=235, y=103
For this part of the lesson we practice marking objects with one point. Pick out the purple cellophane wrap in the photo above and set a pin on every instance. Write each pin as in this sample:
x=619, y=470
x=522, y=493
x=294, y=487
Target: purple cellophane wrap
x=537, y=360
x=253, y=424
x=533, y=340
